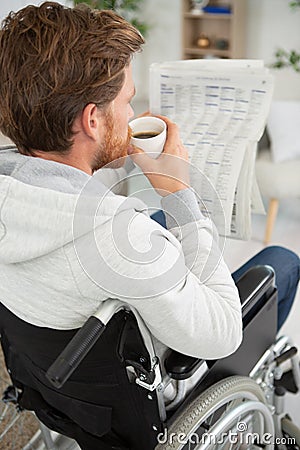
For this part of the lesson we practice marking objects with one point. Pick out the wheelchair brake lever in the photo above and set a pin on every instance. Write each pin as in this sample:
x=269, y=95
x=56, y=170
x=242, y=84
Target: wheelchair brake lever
x=285, y=356
x=141, y=372
x=148, y=379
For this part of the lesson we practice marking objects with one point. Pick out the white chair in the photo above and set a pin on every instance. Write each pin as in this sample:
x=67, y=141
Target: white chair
x=276, y=180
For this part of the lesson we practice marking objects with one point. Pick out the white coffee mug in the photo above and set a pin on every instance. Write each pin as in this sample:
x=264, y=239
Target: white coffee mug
x=149, y=133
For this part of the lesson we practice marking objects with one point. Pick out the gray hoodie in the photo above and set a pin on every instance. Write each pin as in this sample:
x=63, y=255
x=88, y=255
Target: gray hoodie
x=67, y=243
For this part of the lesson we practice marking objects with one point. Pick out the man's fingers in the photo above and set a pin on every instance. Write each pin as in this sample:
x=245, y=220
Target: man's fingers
x=172, y=128
x=166, y=119
x=140, y=158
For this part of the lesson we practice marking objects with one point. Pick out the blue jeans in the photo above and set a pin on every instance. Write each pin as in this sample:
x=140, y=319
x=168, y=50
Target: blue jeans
x=285, y=263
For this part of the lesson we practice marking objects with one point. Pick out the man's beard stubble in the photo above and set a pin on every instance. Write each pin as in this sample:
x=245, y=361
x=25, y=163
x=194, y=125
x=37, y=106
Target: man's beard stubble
x=112, y=152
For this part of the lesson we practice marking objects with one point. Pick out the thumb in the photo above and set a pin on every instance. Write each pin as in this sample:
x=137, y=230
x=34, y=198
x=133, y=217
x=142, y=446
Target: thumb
x=140, y=158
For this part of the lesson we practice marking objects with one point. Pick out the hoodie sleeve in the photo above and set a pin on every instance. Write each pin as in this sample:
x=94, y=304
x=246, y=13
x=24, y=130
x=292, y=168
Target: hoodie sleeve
x=177, y=280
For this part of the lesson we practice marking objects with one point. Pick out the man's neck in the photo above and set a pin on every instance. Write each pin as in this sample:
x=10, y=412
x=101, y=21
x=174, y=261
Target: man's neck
x=82, y=151
x=70, y=159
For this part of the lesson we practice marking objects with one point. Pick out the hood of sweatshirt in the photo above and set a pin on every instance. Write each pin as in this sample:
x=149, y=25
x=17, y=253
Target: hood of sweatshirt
x=39, y=200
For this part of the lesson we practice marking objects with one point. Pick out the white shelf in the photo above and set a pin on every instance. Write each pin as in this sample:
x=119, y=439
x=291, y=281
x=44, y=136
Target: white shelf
x=215, y=26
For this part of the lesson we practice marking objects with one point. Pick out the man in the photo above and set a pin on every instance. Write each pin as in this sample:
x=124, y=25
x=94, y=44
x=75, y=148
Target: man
x=65, y=102
x=65, y=93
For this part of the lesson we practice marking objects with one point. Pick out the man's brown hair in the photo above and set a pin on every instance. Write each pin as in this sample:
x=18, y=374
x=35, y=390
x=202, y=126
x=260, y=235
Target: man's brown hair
x=53, y=62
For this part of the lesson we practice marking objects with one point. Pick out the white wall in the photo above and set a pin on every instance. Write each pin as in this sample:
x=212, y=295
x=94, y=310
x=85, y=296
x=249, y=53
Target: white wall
x=270, y=24
x=13, y=5
x=163, y=41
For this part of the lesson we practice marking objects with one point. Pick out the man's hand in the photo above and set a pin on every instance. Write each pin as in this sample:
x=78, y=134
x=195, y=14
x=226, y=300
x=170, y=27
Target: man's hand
x=168, y=173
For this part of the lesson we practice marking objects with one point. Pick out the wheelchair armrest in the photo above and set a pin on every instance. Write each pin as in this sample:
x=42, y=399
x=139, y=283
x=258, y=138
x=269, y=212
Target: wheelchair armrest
x=254, y=287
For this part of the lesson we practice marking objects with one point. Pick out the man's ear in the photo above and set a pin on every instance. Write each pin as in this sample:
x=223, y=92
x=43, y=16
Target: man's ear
x=91, y=121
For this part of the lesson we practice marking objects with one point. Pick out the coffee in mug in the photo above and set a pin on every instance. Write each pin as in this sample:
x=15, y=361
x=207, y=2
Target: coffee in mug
x=145, y=134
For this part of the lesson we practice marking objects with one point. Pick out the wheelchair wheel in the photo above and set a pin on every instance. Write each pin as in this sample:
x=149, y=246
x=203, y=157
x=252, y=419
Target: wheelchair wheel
x=231, y=414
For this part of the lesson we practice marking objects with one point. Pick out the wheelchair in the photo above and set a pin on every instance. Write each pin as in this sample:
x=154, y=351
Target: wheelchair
x=236, y=402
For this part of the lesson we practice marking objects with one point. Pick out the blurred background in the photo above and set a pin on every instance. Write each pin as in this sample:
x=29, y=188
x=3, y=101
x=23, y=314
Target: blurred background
x=255, y=29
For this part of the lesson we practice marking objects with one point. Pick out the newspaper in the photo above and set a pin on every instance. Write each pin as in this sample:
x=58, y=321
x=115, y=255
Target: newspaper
x=221, y=107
